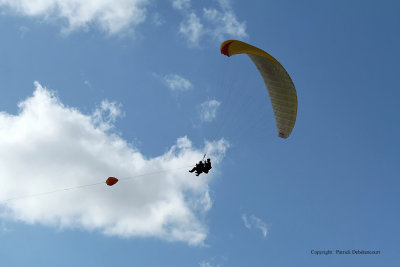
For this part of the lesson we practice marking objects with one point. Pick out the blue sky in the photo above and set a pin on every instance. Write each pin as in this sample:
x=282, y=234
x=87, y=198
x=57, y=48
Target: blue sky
x=138, y=89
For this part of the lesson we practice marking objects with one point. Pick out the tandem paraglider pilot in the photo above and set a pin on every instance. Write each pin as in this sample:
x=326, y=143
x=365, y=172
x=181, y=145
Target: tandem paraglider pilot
x=202, y=167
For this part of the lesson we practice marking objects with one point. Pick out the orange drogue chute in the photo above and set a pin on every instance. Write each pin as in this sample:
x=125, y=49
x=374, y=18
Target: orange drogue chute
x=111, y=181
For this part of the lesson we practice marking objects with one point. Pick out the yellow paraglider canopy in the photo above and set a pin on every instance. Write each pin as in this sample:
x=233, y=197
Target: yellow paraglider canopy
x=279, y=84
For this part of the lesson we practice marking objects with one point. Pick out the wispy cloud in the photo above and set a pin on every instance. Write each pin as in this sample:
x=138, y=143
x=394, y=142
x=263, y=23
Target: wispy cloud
x=217, y=23
x=112, y=16
x=254, y=222
x=226, y=23
x=176, y=82
x=49, y=146
x=106, y=114
x=208, y=264
x=4, y=228
x=87, y=83
x=123, y=16
x=181, y=4
x=192, y=29
x=23, y=30
x=208, y=110
x=213, y=262
x=158, y=20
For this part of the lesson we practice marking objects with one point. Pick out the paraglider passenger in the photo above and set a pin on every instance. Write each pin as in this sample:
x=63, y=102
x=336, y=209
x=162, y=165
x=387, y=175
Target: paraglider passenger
x=207, y=166
x=198, y=168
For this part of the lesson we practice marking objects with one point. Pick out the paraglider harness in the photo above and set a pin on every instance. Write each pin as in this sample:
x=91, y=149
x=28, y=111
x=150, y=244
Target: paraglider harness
x=202, y=166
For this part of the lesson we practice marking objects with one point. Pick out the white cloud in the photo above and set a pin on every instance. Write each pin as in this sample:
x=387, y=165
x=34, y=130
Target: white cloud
x=112, y=16
x=226, y=24
x=218, y=23
x=176, y=82
x=181, y=4
x=254, y=222
x=213, y=262
x=192, y=28
x=104, y=116
x=208, y=110
x=49, y=146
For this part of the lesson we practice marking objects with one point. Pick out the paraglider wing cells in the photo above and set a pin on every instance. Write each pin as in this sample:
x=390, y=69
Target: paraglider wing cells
x=280, y=87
